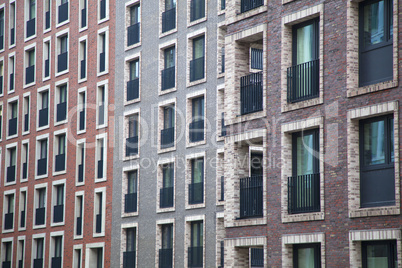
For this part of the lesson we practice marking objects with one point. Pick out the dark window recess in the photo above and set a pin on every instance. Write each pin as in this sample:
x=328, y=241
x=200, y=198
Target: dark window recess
x=196, y=128
x=42, y=161
x=26, y=122
x=22, y=219
x=102, y=9
x=166, y=197
x=251, y=197
x=30, y=28
x=132, y=146
x=63, y=12
x=8, y=221
x=222, y=261
x=60, y=162
x=56, y=262
x=251, y=93
x=47, y=68
x=12, y=126
x=2, y=29
x=168, y=78
x=79, y=226
x=133, y=34
x=222, y=59
x=133, y=89
x=165, y=258
x=247, y=5
x=38, y=263
x=223, y=7
x=98, y=227
x=377, y=169
x=256, y=58
x=130, y=202
x=167, y=137
x=47, y=19
x=40, y=216
x=167, y=190
x=62, y=60
x=304, y=193
x=223, y=127
x=11, y=81
x=84, y=16
x=58, y=213
x=196, y=187
x=129, y=259
x=195, y=257
x=197, y=9
x=100, y=168
x=257, y=257
x=12, y=36
x=375, y=42
x=195, y=251
x=61, y=111
x=25, y=170
x=307, y=255
x=11, y=173
x=83, y=69
x=102, y=61
x=29, y=74
x=82, y=119
x=166, y=251
x=196, y=69
x=381, y=253
x=222, y=189
x=169, y=20
x=43, y=117
x=1, y=85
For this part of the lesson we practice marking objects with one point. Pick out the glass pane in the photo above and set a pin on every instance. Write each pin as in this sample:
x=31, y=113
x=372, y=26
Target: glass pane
x=62, y=144
x=134, y=14
x=391, y=133
x=305, y=39
x=134, y=70
x=131, y=239
x=198, y=47
x=167, y=238
x=132, y=182
x=132, y=126
x=45, y=96
x=377, y=256
x=31, y=60
x=168, y=176
x=169, y=4
x=373, y=23
x=197, y=171
x=169, y=57
x=305, y=151
x=32, y=9
x=198, y=108
x=305, y=258
x=374, y=143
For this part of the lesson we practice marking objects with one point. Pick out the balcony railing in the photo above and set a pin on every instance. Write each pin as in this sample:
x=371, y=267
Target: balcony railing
x=26, y=122
x=195, y=257
x=78, y=230
x=38, y=263
x=196, y=193
x=42, y=166
x=168, y=78
x=60, y=162
x=1, y=85
x=12, y=126
x=251, y=93
x=83, y=18
x=6, y=264
x=20, y=264
x=43, y=117
x=62, y=60
x=63, y=12
x=167, y=137
x=132, y=146
x=102, y=61
x=11, y=173
x=100, y=169
x=58, y=213
x=83, y=69
x=30, y=27
x=133, y=34
x=130, y=203
x=12, y=81
x=222, y=188
x=47, y=20
x=40, y=216
x=251, y=197
x=25, y=170
x=166, y=197
x=29, y=74
x=257, y=257
x=129, y=259
x=47, y=68
x=22, y=219
x=197, y=9
x=12, y=36
x=80, y=173
x=82, y=120
x=196, y=130
x=165, y=258
x=102, y=9
x=247, y=5
x=98, y=227
x=169, y=20
x=61, y=111
x=303, y=81
x=304, y=193
x=133, y=89
x=56, y=262
x=197, y=69
x=8, y=221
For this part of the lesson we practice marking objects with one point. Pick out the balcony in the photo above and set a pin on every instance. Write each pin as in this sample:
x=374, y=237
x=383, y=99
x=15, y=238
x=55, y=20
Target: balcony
x=80, y=173
x=197, y=9
x=167, y=138
x=98, y=227
x=42, y=166
x=83, y=18
x=165, y=258
x=222, y=189
x=304, y=193
x=132, y=146
x=12, y=126
x=247, y=5
x=29, y=74
x=303, y=81
x=82, y=120
x=251, y=93
x=195, y=257
x=133, y=34
x=102, y=60
x=130, y=203
x=22, y=219
x=40, y=216
x=12, y=36
x=30, y=28
x=6, y=264
x=60, y=162
x=25, y=170
x=169, y=20
x=11, y=173
x=43, y=117
x=251, y=197
x=47, y=68
x=129, y=259
x=100, y=169
x=56, y=262
x=38, y=263
x=61, y=111
x=196, y=131
x=26, y=122
x=58, y=213
x=83, y=72
x=166, y=197
x=168, y=78
x=197, y=69
x=196, y=193
x=8, y=221
x=62, y=60
x=47, y=20
x=133, y=89
x=11, y=81
x=1, y=85
x=78, y=230
x=102, y=9
x=63, y=12
x=257, y=257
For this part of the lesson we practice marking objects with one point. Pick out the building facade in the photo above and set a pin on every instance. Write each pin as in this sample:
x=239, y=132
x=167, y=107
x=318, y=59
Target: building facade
x=57, y=83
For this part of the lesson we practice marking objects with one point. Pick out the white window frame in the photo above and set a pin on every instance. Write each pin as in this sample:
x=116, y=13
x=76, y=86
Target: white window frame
x=14, y=3
x=11, y=70
x=81, y=2
x=58, y=2
x=33, y=247
x=44, y=16
x=55, y=184
x=7, y=162
x=126, y=170
x=37, y=155
x=81, y=142
x=26, y=95
x=105, y=32
x=99, y=137
x=28, y=49
x=59, y=35
x=36, y=193
x=56, y=97
x=5, y=204
x=82, y=39
x=23, y=143
x=97, y=191
x=49, y=41
x=77, y=263
x=26, y=18
x=3, y=241
x=80, y=106
x=82, y=195
x=88, y=252
x=38, y=107
x=21, y=206
x=106, y=18
x=105, y=84
x=9, y=101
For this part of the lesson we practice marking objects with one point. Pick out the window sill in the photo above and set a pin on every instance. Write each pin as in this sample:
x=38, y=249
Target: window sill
x=195, y=206
x=352, y=92
x=30, y=84
x=12, y=137
x=81, y=131
x=164, y=210
x=198, y=143
x=47, y=30
x=42, y=128
x=11, y=46
x=161, y=35
x=82, y=80
x=26, y=39
x=286, y=107
x=39, y=226
x=132, y=46
x=167, y=91
x=314, y=216
x=132, y=157
x=196, y=82
x=41, y=176
x=101, y=234
x=83, y=29
x=62, y=23
x=57, y=224
x=372, y=212
x=10, y=183
x=247, y=222
x=101, y=126
x=98, y=180
x=20, y=229
x=56, y=173
x=61, y=122
x=241, y=16
x=130, y=214
x=8, y=231
x=61, y=73
x=46, y=78
x=77, y=237
x=103, y=20
x=106, y=71
x=195, y=22
x=166, y=150
x=246, y=117
x=132, y=101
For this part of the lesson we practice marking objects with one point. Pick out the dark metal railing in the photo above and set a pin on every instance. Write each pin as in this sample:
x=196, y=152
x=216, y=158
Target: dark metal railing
x=1, y=85
x=303, y=81
x=25, y=170
x=63, y=12
x=166, y=197
x=12, y=126
x=43, y=117
x=132, y=146
x=82, y=120
x=195, y=257
x=29, y=74
x=98, y=227
x=168, y=78
x=11, y=173
x=78, y=230
x=12, y=36
x=130, y=203
x=38, y=263
x=102, y=62
x=80, y=172
x=47, y=68
x=8, y=221
x=6, y=264
x=169, y=20
x=133, y=89
x=30, y=27
x=129, y=259
x=167, y=137
x=42, y=166
x=100, y=169
x=222, y=188
x=83, y=69
x=58, y=212
x=83, y=18
x=196, y=193
x=62, y=60
x=61, y=111
x=22, y=219
x=251, y=197
x=47, y=20
x=196, y=69
x=60, y=162
x=40, y=216
x=165, y=258
x=12, y=81
x=102, y=9
x=304, y=193
x=247, y=5
x=20, y=264
x=26, y=122
x=251, y=93
x=56, y=262
x=133, y=34
x=197, y=9
x=196, y=130
x=257, y=257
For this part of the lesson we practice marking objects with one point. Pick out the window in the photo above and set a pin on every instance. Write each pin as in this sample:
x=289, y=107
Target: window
x=197, y=63
x=9, y=201
x=197, y=10
x=11, y=69
x=379, y=254
x=2, y=29
x=196, y=127
x=1, y=77
x=246, y=5
x=62, y=57
x=77, y=258
x=133, y=30
x=43, y=106
x=31, y=18
x=132, y=139
x=375, y=41
x=7, y=253
x=103, y=44
x=62, y=11
x=26, y=111
x=40, y=211
x=101, y=106
x=103, y=8
x=61, y=103
x=82, y=100
x=133, y=85
x=24, y=160
x=1, y=122
x=20, y=252
x=38, y=252
x=23, y=208
x=83, y=14
x=80, y=161
x=42, y=149
x=99, y=213
x=83, y=59
x=130, y=200
x=167, y=190
x=222, y=5
x=168, y=73
x=167, y=133
x=57, y=252
x=131, y=246
x=12, y=118
x=12, y=24
x=166, y=250
x=79, y=210
x=100, y=156
x=169, y=16
x=30, y=66
x=46, y=57
x=196, y=187
x=257, y=257
x=306, y=255
x=377, y=161
x=11, y=164
x=58, y=203
x=47, y=10
x=195, y=251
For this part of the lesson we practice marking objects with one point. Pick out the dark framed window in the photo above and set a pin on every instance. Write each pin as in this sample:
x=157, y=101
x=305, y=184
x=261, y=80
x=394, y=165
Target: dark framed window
x=133, y=30
x=197, y=63
x=375, y=41
x=39, y=252
x=196, y=127
x=131, y=247
x=377, y=161
x=32, y=9
x=167, y=190
x=61, y=107
x=167, y=133
x=307, y=255
x=167, y=236
x=57, y=252
x=169, y=16
x=195, y=252
x=133, y=85
x=58, y=209
x=131, y=196
x=132, y=140
x=196, y=187
x=379, y=254
x=62, y=58
x=197, y=9
x=305, y=152
x=169, y=56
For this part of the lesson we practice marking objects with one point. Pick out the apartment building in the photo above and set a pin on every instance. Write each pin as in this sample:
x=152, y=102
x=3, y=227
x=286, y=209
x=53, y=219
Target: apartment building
x=56, y=86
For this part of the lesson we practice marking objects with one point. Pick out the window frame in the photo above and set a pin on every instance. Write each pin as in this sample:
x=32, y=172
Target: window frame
x=59, y=48
x=6, y=210
x=79, y=210
x=40, y=106
x=103, y=47
x=11, y=101
x=103, y=156
x=56, y=201
x=12, y=18
x=38, y=153
x=105, y=85
x=22, y=206
x=82, y=53
x=81, y=148
x=58, y=4
x=36, y=204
